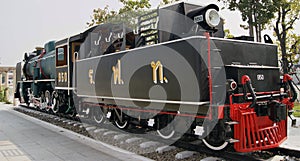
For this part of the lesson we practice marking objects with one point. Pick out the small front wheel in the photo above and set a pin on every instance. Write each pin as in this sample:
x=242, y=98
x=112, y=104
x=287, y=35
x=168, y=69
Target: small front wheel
x=216, y=139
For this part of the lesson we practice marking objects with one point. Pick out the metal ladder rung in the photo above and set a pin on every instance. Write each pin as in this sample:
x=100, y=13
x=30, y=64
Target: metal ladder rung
x=218, y=50
x=231, y=122
x=232, y=140
x=217, y=86
x=216, y=67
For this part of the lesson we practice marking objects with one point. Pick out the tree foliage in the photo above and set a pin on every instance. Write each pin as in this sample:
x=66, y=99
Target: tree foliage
x=101, y=15
x=164, y=2
x=257, y=13
x=294, y=48
x=133, y=5
x=228, y=34
x=287, y=13
x=3, y=96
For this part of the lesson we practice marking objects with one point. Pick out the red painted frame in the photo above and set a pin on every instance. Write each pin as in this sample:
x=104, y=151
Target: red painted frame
x=256, y=132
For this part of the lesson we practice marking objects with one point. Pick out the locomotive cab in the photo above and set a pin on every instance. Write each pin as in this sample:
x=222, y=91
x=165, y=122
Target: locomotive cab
x=66, y=55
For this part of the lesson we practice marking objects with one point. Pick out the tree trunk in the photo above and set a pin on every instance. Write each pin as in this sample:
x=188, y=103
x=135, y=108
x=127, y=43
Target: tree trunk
x=250, y=23
x=283, y=41
x=259, y=33
x=256, y=33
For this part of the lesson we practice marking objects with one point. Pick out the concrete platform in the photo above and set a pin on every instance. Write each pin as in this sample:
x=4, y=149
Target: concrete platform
x=293, y=140
x=23, y=138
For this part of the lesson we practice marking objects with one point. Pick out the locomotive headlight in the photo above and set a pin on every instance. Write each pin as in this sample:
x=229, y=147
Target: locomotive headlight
x=212, y=17
x=207, y=17
x=231, y=85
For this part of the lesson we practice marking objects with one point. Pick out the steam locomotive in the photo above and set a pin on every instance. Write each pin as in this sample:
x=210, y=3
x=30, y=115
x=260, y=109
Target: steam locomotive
x=172, y=71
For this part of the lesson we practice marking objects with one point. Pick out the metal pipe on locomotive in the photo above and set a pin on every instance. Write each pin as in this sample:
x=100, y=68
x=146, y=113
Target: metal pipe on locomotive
x=232, y=92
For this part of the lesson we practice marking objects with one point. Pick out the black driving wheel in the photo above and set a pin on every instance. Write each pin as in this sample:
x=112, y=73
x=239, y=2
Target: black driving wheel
x=165, y=128
x=55, y=102
x=216, y=140
x=47, y=100
x=98, y=115
x=120, y=119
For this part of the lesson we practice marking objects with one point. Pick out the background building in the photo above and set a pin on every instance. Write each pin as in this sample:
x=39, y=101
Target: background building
x=7, y=74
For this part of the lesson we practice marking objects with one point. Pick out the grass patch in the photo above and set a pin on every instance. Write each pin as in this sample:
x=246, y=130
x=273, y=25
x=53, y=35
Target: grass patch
x=296, y=109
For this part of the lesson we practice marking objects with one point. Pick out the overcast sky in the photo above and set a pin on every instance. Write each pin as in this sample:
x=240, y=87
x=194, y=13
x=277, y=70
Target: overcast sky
x=26, y=24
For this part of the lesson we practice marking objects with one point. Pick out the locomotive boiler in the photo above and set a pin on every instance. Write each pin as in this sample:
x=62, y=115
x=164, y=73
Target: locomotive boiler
x=173, y=72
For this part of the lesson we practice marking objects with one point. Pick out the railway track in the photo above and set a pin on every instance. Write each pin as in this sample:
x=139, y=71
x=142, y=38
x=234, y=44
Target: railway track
x=151, y=146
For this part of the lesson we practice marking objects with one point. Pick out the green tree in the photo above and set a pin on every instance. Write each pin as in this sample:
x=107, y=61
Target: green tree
x=3, y=96
x=133, y=5
x=101, y=15
x=228, y=34
x=257, y=13
x=168, y=1
x=287, y=13
x=292, y=51
x=294, y=48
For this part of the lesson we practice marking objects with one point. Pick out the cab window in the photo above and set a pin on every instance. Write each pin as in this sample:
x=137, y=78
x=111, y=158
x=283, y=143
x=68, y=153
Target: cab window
x=61, y=56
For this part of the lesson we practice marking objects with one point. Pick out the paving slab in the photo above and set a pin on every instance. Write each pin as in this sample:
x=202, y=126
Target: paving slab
x=277, y=158
x=10, y=152
x=132, y=140
x=165, y=148
x=100, y=130
x=90, y=128
x=184, y=154
x=120, y=136
x=109, y=133
x=149, y=144
x=293, y=139
x=40, y=141
x=212, y=159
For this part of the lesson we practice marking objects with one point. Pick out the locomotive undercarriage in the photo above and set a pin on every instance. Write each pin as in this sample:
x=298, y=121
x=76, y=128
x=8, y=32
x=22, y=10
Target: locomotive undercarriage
x=62, y=102
x=40, y=97
x=122, y=118
x=54, y=101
